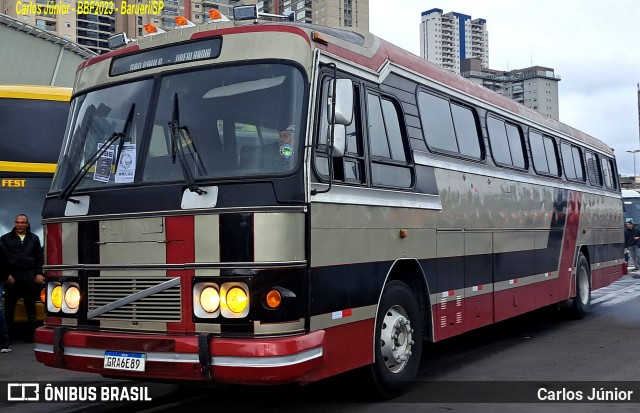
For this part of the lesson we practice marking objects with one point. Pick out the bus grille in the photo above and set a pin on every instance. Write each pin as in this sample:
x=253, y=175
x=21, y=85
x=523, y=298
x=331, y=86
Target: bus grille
x=163, y=306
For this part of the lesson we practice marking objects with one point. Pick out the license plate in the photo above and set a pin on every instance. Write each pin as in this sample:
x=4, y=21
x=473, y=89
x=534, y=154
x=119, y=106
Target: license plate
x=116, y=360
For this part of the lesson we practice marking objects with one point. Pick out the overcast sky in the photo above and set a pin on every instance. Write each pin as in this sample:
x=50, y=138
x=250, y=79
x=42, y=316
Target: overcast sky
x=592, y=45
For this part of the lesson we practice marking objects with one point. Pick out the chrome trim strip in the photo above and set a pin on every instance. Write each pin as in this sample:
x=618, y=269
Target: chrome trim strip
x=185, y=266
x=133, y=297
x=295, y=208
x=226, y=361
x=459, y=165
x=376, y=197
x=276, y=361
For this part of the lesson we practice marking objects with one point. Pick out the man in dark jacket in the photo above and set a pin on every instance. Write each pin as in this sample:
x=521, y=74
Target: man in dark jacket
x=25, y=256
x=631, y=238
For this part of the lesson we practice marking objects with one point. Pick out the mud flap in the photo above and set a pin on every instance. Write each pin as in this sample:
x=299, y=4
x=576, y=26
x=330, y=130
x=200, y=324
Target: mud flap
x=203, y=355
x=58, y=346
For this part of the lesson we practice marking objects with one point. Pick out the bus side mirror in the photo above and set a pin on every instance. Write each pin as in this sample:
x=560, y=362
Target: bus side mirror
x=343, y=99
x=339, y=140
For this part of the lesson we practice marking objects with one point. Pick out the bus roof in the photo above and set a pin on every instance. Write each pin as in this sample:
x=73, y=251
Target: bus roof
x=368, y=50
x=36, y=92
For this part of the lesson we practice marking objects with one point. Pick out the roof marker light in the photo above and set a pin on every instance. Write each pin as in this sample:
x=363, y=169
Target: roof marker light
x=319, y=38
x=215, y=16
x=151, y=30
x=182, y=22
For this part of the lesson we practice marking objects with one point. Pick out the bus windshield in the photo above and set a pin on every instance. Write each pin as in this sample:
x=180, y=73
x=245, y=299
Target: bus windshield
x=632, y=209
x=226, y=122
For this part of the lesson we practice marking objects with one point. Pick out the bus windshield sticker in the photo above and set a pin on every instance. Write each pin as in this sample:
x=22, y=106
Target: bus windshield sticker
x=127, y=164
x=102, y=172
x=167, y=56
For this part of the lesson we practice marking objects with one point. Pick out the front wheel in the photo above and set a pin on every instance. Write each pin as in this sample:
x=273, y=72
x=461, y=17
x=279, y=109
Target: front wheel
x=582, y=301
x=398, y=340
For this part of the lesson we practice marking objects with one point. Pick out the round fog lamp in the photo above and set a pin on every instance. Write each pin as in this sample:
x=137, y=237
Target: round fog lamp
x=56, y=296
x=274, y=299
x=237, y=299
x=210, y=299
x=72, y=297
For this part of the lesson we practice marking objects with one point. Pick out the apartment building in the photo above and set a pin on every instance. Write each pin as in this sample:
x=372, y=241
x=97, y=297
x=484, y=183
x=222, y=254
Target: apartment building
x=94, y=30
x=60, y=17
x=446, y=39
x=536, y=87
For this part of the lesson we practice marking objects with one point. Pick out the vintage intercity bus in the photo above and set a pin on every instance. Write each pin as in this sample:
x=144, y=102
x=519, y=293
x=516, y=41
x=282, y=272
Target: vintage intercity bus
x=282, y=202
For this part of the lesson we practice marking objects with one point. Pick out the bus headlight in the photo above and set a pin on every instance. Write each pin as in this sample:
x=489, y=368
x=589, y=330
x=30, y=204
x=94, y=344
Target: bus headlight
x=54, y=297
x=234, y=300
x=206, y=300
x=71, y=295
x=237, y=300
x=210, y=299
x=229, y=300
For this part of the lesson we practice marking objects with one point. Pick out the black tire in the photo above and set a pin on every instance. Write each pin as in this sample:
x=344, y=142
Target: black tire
x=581, y=305
x=398, y=340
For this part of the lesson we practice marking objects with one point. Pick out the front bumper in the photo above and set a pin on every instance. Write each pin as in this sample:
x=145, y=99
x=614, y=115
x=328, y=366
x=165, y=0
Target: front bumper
x=197, y=357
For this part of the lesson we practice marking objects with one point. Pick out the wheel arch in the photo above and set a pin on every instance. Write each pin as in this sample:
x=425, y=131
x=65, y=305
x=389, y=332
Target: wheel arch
x=409, y=271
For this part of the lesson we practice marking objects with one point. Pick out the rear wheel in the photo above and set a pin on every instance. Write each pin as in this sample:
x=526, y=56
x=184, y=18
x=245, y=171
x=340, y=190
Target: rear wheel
x=398, y=340
x=582, y=301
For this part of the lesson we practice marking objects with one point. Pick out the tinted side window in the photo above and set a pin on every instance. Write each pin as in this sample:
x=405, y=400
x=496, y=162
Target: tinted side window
x=388, y=149
x=607, y=173
x=394, y=133
x=567, y=161
x=593, y=169
x=552, y=155
x=538, y=153
x=498, y=141
x=578, y=163
x=466, y=131
x=437, y=123
x=516, y=145
x=506, y=143
x=449, y=127
x=544, y=153
x=377, y=135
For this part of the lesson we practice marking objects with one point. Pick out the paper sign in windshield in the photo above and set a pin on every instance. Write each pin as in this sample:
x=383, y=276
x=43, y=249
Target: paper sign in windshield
x=102, y=172
x=126, y=170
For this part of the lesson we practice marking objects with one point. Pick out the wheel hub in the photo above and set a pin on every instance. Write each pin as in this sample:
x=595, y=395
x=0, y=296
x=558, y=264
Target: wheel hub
x=396, y=339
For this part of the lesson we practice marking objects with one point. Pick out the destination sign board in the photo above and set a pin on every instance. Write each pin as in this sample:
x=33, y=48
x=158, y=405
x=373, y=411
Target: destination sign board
x=167, y=56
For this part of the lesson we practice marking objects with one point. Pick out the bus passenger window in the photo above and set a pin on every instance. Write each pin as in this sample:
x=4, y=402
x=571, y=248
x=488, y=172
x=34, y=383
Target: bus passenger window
x=466, y=131
x=506, y=143
x=388, y=151
x=449, y=127
x=437, y=125
x=572, y=162
x=544, y=153
x=607, y=173
x=593, y=169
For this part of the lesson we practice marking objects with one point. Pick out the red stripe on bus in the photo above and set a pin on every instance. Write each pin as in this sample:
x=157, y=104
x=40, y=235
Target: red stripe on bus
x=94, y=60
x=569, y=245
x=54, y=244
x=181, y=249
x=252, y=29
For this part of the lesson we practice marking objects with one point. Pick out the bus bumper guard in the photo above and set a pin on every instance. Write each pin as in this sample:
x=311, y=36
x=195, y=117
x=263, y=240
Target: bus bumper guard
x=202, y=357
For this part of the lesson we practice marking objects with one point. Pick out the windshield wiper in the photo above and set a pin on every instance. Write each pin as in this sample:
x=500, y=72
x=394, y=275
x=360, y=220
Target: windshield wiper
x=177, y=148
x=115, y=136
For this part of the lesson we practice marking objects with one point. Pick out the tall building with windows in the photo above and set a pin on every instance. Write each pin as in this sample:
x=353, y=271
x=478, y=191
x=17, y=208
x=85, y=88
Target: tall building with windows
x=89, y=30
x=446, y=39
x=94, y=30
x=536, y=87
x=332, y=13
